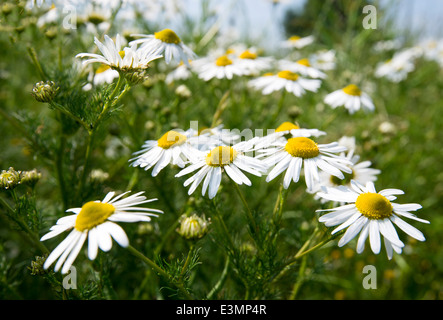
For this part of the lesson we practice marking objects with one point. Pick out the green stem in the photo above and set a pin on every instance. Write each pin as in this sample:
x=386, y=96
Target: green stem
x=279, y=108
x=217, y=287
x=34, y=58
x=59, y=167
x=300, y=279
x=24, y=227
x=223, y=225
x=185, y=266
x=279, y=203
x=247, y=209
x=69, y=114
x=160, y=271
x=303, y=252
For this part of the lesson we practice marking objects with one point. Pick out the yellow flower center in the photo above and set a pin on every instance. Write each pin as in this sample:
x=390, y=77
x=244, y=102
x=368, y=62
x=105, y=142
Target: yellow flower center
x=168, y=36
x=102, y=68
x=304, y=62
x=302, y=147
x=294, y=38
x=352, y=90
x=286, y=126
x=286, y=74
x=221, y=156
x=374, y=206
x=267, y=74
x=93, y=214
x=170, y=139
x=248, y=55
x=223, y=61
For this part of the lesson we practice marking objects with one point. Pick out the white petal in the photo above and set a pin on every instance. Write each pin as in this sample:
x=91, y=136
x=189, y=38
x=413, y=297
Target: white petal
x=374, y=236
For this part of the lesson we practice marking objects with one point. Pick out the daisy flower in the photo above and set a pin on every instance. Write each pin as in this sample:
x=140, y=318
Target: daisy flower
x=95, y=221
x=323, y=60
x=370, y=213
x=285, y=80
x=129, y=58
x=361, y=171
x=303, y=67
x=294, y=153
x=165, y=42
x=285, y=129
x=397, y=68
x=252, y=63
x=220, y=67
x=173, y=147
x=298, y=42
x=231, y=160
x=351, y=97
x=104, y=74
x=181, y=72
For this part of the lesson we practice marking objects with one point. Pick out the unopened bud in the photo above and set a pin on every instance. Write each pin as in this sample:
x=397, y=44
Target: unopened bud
x=183, y=92
x=193, y=227
x=135, y=77
x=30, y=178
x=9, y=179
x=37, y=266
x=44, y=91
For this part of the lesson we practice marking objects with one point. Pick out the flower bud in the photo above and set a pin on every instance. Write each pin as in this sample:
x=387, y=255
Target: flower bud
x=37, y=266
x=136, y=76
x=30, y=178
x=44, y=91
x=9, y=179
x=183, y=92
x=193, y=227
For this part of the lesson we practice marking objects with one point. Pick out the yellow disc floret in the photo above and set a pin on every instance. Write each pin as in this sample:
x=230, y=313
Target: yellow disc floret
x=223, y=61
x=289, y=75
x=302, y=147
x=373, y=206
x=304, y=62
x=168, y=36
x=93, y=214
x=352, y=90
x=286, y=126
x=248, y=55
x=102, y=68
x=171, y=138
x=294, y=38
x=221, y=156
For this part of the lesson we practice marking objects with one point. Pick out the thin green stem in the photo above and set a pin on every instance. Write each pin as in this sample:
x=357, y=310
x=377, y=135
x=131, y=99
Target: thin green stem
x=160, y=271
x=185, y=266
x=34, y=58
x=279, y=204
x=59, y=167
x=217, y=287
x=69, y=114
x=223, y=226
x=300, y=279
x=279, y=108
x=247, y=209
x=24, y=227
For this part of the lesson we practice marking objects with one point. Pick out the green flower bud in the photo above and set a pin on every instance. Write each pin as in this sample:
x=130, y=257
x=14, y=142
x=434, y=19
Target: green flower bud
x=193, y=227
x=9, y=179
x=30, y=178
x=44, y=91
x=37, y=266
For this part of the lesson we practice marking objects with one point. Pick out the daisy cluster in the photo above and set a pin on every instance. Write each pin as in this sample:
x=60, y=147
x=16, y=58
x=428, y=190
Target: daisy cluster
x=332, y=171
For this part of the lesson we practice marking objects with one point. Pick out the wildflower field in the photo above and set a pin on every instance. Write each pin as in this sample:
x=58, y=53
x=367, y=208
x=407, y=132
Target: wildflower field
x=151, y=153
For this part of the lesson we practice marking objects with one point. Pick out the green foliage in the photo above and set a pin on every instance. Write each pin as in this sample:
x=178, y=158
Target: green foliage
x=82, y=142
